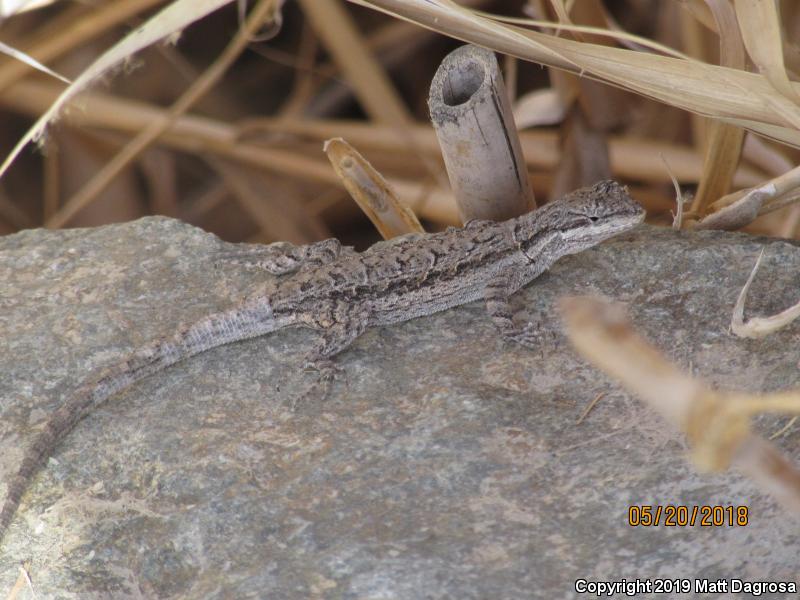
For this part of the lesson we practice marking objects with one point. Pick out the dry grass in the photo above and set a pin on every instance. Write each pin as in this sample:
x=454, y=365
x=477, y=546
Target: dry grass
x=335, y=70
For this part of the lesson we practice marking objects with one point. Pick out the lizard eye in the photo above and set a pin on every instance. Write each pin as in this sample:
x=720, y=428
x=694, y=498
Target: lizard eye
x=593, y=219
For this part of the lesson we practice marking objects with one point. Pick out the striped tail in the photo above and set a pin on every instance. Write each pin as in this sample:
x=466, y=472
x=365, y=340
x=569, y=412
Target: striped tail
x=252, y=320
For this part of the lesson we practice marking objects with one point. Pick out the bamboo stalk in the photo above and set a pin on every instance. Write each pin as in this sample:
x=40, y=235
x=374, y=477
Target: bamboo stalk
x=472, y=117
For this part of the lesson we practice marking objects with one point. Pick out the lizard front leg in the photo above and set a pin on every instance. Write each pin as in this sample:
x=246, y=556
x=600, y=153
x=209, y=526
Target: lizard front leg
x=282, y=258
x=497, y=295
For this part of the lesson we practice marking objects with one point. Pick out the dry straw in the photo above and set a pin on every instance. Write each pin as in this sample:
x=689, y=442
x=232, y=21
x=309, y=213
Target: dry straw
x=765, y=103
x=749, y=100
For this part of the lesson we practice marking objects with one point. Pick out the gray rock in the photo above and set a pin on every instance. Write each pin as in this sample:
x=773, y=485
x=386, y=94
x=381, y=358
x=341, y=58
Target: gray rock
x=448, y=464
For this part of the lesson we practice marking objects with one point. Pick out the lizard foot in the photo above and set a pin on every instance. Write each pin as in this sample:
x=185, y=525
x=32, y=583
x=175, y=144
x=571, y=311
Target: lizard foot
x=326, y=374
x=531, y=336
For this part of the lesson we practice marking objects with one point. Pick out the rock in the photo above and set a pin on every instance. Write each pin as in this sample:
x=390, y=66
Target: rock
x=448, y=463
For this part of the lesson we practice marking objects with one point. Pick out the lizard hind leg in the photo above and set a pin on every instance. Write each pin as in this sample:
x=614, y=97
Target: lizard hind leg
x=334, y=339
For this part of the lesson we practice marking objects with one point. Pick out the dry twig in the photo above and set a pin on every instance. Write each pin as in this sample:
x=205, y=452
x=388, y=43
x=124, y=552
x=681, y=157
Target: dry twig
x=371, y=191
x=716, y=423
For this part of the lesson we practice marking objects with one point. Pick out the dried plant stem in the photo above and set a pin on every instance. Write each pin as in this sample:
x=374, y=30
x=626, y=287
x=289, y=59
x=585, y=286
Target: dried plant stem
x=677, y=221
x=589, y=408
x=60, y=40
x=262, y=12
x=472, y=117
x=392, y=44
x=743, y=99
x=198, y=135
x=371, y=191
x=724, y=146
x=637, y=159
x=716, y=423
x=23, y=581
x=784, y=429
x=304, y=86
x=372, y=87
x=634, y=158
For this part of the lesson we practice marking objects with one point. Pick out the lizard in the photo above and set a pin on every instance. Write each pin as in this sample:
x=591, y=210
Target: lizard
x=340, y=292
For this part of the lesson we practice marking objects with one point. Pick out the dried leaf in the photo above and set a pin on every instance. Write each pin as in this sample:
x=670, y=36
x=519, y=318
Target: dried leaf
x=759, y=327
x=741, y=212
x=761, y=30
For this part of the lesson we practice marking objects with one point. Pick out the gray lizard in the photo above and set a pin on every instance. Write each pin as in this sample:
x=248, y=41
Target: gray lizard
x=340, y=293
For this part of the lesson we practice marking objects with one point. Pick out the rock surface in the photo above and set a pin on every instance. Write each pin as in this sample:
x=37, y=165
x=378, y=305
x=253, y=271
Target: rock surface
x=448, y=464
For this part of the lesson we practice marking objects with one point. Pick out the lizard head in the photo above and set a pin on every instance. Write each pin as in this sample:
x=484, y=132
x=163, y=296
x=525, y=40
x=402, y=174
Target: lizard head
x=590, y=215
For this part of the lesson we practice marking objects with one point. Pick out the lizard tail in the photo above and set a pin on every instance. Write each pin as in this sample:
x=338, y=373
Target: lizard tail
x=253, y=320
x=34, y=458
